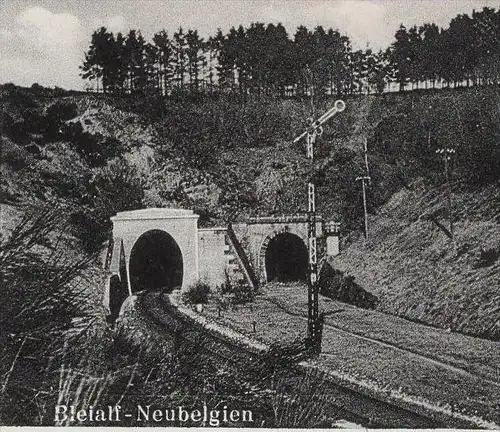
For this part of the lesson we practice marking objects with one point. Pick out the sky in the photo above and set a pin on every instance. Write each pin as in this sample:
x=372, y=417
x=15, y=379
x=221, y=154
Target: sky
x=44, y=41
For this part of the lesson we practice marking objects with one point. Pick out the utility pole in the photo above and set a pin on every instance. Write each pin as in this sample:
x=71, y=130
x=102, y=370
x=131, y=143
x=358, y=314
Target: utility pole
x=366, y=159
x=447, y=154
x=314, y=322
x=364, y=179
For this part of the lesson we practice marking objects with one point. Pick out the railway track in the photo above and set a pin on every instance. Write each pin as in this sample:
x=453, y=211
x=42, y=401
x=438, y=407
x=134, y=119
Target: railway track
x=181, y=328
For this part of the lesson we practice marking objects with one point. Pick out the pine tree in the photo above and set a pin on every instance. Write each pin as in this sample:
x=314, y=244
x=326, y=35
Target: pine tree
x=430, y=36
x=195, y=57
x=164, y=50
x=100, y=60
x=279, y=59
x=304, y=57
x=180, y=59
x=401, y=57
x=120, y=64
x=135, y=47
x=225, y=61
x=416, y=55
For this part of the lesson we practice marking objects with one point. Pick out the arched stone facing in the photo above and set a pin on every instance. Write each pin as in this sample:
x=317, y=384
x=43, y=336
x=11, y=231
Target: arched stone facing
x=180, y=224
x=205, y=253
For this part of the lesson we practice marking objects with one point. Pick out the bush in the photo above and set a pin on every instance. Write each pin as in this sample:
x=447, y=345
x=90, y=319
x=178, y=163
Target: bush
x=335, y=285
x=239, y=291
x=487, y=257
x=114, y=188
x=197, y=293
x=13, y=155
x=56, y=116
x=94, y=148
x=243, y=293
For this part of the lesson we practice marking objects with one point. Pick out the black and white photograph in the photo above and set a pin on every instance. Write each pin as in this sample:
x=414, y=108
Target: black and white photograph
x=250, y=214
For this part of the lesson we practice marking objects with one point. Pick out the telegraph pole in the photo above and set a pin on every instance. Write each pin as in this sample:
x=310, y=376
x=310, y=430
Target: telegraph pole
x=366, y=158
x=447, y=154
x=314, y=323
x=364, y=179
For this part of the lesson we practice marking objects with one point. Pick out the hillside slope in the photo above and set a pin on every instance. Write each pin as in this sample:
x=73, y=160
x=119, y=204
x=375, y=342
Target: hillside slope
x=419, y=273
x=96, y=155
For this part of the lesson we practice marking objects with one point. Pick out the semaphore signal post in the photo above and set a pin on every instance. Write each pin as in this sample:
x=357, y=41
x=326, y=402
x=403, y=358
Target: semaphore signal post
x=314, y=323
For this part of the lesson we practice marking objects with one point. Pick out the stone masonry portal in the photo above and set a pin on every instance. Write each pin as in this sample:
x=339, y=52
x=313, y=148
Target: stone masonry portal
x=163, y=249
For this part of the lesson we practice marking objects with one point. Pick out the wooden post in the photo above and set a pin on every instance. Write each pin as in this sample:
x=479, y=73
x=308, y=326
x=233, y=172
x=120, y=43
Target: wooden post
x=365, y=207
x=366, y=159
x=448, y=187
x=447, y=154
x=365, y=210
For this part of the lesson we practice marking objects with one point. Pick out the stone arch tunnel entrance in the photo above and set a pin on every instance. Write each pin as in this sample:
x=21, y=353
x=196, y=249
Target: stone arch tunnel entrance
x=155, y=262
x=286, y=258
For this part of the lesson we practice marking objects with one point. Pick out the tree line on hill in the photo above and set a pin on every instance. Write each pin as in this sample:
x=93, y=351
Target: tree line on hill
x=264, y=60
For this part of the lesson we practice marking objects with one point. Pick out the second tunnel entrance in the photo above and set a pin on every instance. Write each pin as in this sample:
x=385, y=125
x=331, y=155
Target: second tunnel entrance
x=286, y=258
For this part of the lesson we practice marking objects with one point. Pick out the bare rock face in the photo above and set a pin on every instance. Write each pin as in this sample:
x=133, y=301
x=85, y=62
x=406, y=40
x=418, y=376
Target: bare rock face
x=101, y=118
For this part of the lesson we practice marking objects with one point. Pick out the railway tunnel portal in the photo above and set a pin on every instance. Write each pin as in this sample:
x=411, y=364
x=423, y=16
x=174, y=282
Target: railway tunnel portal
x=163, y=249
x=155, y=262
x=286, y=258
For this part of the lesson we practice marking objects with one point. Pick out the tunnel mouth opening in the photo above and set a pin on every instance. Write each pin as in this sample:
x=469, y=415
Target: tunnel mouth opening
x=286, y=259
x=155, y=263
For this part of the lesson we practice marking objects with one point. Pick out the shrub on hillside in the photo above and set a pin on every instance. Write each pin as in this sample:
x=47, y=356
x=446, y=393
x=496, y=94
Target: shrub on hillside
x=113, y=188
x=96, y=149
x=34, y=121
x=18, y=96
x=335, y=285
x=55, y=117
x=19, y=128
x=197, y=293
x=12, y=154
